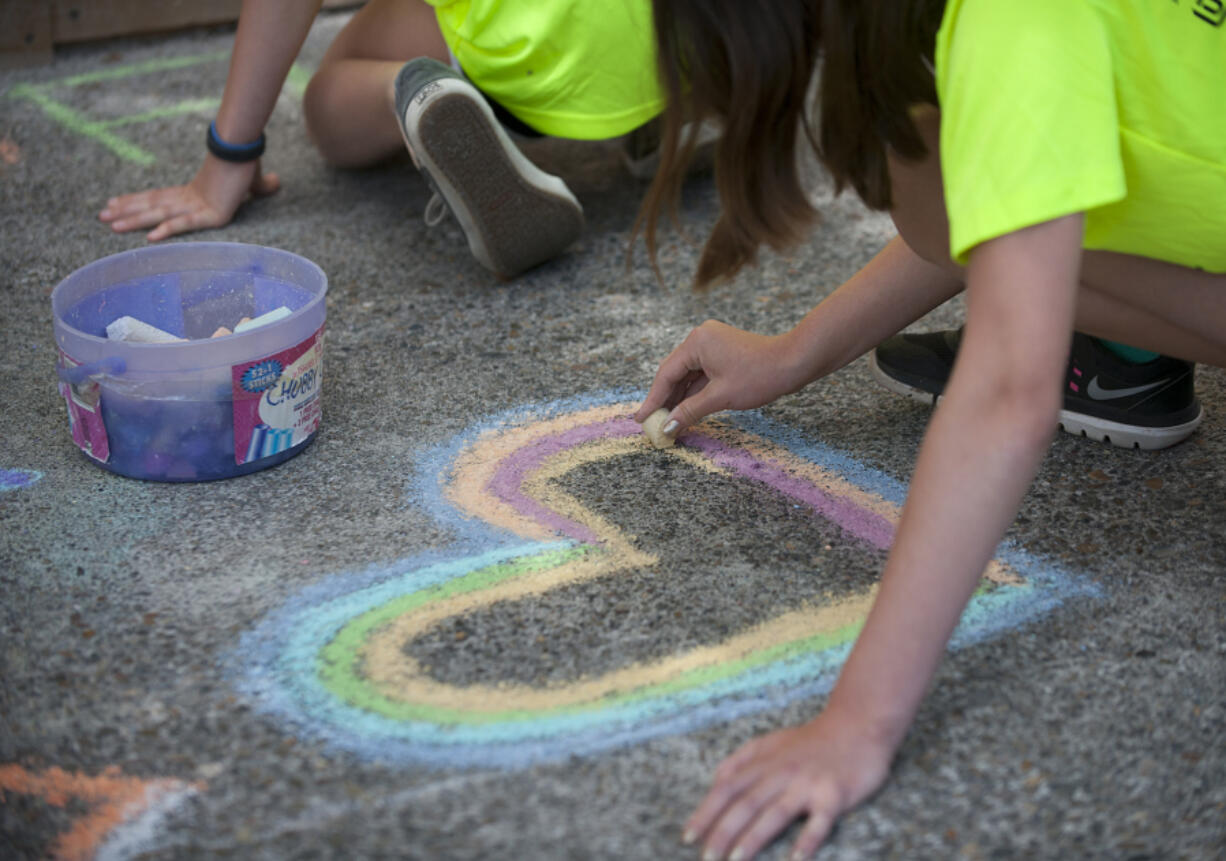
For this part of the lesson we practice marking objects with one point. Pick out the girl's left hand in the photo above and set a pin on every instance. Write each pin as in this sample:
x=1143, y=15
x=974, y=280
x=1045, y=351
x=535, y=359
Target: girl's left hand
x=209, y=200
x=820, y=770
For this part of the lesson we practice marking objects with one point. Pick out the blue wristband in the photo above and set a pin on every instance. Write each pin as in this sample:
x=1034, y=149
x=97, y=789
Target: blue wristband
x=233, y=152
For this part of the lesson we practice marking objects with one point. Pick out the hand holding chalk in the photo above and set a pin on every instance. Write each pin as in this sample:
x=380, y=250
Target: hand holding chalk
x=653, y=427
x=718, y=367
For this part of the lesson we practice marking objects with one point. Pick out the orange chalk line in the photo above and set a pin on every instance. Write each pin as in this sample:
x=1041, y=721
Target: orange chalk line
x=113, y=797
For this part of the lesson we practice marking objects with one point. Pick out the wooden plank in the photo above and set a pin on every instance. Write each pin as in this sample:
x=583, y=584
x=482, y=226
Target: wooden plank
x=29, y=29
x=86, y=20
x=25, y=33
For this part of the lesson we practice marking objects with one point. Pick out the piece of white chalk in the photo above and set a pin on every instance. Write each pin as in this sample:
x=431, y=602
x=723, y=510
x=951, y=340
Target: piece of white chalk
x=263, y=320
x=138, y=331
x=221, y=332
x=653, y=427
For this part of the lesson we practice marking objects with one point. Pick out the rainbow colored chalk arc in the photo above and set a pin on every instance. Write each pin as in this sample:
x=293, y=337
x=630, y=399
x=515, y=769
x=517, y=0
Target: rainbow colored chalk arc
x=332, y=660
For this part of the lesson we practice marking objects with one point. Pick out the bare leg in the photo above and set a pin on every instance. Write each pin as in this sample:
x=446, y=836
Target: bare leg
x=1157, y=306
x=1146, y=303
x=349, y=107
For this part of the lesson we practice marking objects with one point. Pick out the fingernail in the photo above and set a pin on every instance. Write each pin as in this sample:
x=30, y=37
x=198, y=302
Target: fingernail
x=709, y=855
x=688, y=837
x=670, y=428
x=737, y=854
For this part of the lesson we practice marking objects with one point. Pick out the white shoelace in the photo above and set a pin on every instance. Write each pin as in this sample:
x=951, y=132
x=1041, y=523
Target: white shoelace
x=436, y=210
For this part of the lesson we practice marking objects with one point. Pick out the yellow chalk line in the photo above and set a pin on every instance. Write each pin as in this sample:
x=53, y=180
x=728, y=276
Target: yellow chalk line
x=477, y=463
x=401, y=677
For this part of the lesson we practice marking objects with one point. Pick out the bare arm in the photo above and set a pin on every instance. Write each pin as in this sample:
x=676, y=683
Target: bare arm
x=270, y=34
x=718, y=367
x=892, y=291
x=979, y=456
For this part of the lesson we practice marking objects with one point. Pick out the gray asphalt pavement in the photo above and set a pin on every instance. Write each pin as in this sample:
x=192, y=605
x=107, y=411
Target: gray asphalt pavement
x=478, y=617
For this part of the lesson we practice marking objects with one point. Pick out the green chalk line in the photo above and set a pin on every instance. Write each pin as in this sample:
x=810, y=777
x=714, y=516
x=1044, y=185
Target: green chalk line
x=337, y=661
x=99, y=130
x=136, y=69
x=298, y=78
x=361, y=693
x=83, y=125
x=191, y=106
x=339, y=655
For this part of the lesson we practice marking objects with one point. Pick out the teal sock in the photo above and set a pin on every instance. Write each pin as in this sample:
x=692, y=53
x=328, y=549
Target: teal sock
x=1135, y=355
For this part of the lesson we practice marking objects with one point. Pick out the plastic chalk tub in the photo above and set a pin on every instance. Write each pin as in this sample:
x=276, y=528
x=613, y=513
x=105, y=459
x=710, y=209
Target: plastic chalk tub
x=203, y=407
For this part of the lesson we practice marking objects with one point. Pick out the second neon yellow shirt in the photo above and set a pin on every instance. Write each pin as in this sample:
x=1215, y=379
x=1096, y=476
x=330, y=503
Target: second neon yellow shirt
x=569, y=68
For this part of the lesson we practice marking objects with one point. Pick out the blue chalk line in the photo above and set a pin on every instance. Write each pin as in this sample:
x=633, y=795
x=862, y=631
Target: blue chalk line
x=277, y=661
x=18, y=479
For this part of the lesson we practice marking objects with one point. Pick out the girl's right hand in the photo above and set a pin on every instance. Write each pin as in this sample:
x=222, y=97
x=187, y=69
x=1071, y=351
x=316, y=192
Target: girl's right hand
x=718, y=367
x=209, y=200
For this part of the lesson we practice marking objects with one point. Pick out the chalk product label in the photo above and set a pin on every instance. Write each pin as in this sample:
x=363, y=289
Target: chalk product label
x=276, y=399
x=85, y=414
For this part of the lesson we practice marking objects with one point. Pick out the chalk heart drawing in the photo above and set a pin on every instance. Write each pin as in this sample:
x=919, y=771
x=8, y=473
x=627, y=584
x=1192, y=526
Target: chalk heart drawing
x=332, y=660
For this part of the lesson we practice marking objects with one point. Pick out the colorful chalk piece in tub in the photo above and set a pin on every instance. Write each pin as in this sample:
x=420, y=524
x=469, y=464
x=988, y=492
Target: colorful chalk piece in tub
x=203, y=407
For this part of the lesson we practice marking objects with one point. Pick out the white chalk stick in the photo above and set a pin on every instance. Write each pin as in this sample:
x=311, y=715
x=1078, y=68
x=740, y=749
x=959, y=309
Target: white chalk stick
x=653, y=427
x=138, y=331
x=221, y=332
x=263, y=320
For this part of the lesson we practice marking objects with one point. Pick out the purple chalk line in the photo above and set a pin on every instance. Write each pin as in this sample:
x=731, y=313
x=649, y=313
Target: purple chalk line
x=865, y=525
x=508, y=479
x=15, y=479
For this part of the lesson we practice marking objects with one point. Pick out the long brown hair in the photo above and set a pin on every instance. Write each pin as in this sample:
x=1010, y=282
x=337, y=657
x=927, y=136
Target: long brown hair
x=748, y=66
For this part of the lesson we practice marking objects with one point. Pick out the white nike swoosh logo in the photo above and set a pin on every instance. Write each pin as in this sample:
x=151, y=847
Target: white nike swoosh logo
x=1098, y=393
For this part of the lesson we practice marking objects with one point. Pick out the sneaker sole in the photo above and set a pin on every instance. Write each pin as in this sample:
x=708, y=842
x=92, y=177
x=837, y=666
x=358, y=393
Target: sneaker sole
x=1078, y=424
x=514, y=214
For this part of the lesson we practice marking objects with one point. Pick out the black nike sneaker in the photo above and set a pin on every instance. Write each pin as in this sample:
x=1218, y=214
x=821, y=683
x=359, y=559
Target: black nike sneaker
x=1149, y=405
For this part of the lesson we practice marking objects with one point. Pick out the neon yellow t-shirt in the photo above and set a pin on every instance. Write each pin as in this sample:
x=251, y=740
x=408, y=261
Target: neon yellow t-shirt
x=569, y=68
x=1115, y=108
